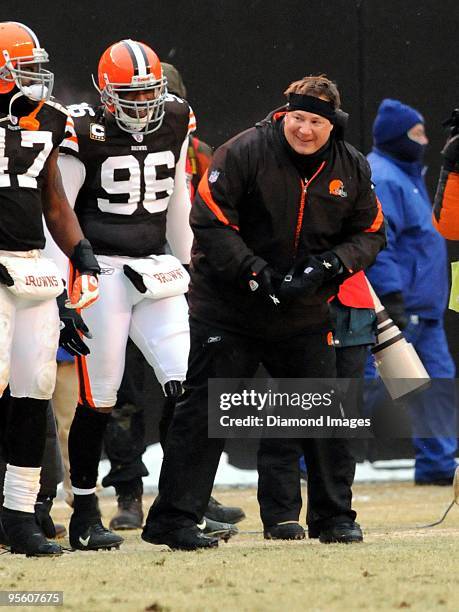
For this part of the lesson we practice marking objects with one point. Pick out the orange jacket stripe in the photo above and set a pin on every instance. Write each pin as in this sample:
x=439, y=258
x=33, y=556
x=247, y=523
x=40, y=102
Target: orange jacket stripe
x=374, y=227
x=448, y=214
x=204, y=192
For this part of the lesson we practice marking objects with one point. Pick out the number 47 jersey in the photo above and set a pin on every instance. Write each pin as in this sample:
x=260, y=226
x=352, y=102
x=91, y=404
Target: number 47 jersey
x=134, y=185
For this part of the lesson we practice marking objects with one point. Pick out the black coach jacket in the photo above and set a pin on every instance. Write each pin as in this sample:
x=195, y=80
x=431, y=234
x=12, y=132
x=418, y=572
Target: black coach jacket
x=253, y=207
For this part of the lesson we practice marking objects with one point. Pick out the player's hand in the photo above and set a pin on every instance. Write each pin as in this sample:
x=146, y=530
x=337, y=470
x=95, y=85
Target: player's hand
x=85, y=291
x=71, y=326
x=5, y=277
x=305, y=278
x=135, y=278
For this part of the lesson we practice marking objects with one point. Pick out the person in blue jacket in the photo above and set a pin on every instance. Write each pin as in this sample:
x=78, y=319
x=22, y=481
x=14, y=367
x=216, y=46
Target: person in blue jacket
x=410, y=278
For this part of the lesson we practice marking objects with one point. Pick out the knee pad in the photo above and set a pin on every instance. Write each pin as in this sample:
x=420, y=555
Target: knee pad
x=173, y=389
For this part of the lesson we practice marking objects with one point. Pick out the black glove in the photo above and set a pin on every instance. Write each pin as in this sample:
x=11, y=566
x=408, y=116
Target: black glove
x=450, y=154
x=43, y=517
x=307, y=276
x=5, y=278
x=83, y=258
x=70, y=339
x=135, y=278
x=395, y=306
x=265, y=284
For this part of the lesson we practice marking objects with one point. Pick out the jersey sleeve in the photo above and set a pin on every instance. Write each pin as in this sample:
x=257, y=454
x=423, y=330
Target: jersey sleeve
x=70, y=145
x=178, y=230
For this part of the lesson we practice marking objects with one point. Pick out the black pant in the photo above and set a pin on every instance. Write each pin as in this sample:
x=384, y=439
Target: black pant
x=329, y=495
x=191, y=458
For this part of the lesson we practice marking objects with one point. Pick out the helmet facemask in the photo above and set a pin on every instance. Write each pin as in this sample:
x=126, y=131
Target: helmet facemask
x=33, y=81
x=135, y=116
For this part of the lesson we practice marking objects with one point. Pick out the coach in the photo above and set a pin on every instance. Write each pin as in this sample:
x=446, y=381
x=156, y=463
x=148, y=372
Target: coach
x=284, y=214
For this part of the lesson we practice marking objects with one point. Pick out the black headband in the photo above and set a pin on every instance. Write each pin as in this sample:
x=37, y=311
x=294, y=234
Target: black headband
x=311, y=104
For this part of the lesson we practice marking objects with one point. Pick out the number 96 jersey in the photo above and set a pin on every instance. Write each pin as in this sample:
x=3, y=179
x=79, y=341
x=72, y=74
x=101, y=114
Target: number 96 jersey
x=129, y=178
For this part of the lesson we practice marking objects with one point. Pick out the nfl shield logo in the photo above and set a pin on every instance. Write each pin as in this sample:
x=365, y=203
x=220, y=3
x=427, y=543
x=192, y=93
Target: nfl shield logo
x=138, y=137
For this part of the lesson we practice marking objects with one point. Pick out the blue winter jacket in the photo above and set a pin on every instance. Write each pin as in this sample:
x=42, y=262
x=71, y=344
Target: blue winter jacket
x=415, y=260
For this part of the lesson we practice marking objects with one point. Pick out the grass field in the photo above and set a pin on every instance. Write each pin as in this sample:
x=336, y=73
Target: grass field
x=397, y=567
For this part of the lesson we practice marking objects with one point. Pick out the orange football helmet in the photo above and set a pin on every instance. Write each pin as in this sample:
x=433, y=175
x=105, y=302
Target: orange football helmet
x=20, y=62
x=128, y=67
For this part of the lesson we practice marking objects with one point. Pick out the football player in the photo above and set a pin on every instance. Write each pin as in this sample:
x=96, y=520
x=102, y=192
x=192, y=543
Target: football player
x=124, y=167
x=31, y=128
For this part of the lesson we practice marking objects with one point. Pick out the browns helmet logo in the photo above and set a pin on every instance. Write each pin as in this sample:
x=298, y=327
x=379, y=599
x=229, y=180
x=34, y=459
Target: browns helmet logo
x=336, y=188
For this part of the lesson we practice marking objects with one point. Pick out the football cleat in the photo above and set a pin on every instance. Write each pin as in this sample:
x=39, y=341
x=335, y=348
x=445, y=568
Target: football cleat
x=86, y=532
x=25, y=537
x=217, y=529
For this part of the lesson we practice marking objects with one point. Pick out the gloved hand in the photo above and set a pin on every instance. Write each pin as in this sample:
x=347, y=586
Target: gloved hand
x=5, y=278
x=395, y=306
x=70, y=339
x=450, y=154
x=42, y=516
x=265, y=284
x=85, y=289
x=135, y=278
x=305, y=277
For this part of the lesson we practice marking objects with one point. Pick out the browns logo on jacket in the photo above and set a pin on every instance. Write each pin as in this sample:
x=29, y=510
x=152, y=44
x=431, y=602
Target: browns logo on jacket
x=253, y=207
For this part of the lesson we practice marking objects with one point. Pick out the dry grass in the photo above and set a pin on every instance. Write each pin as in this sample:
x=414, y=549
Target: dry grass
x=398, y=566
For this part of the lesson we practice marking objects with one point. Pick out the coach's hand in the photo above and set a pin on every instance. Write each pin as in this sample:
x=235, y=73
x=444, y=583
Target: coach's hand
x=72, y=325
x=306, y=276
x=5, y=278
x=265, y=284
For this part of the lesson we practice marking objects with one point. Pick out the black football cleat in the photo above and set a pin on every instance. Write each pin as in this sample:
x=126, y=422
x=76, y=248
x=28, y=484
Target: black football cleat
x=341, y=533
x=216, y=529
x=184, y=538
x=86, y=532
x=129, y=515
x=224, y=514
x=290, y=530
x=25, y=537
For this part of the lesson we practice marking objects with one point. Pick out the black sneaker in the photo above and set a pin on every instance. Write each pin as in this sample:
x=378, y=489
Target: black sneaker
x=224, y=514
x=25, y=537
x=86, y=532
x=129, y=515
x=223, y=531
x=185, y=538
x=290, y=530
x=341, y=533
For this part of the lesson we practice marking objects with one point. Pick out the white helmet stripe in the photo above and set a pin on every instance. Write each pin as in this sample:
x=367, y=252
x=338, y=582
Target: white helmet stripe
x=139, y=57
x=29, y=31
